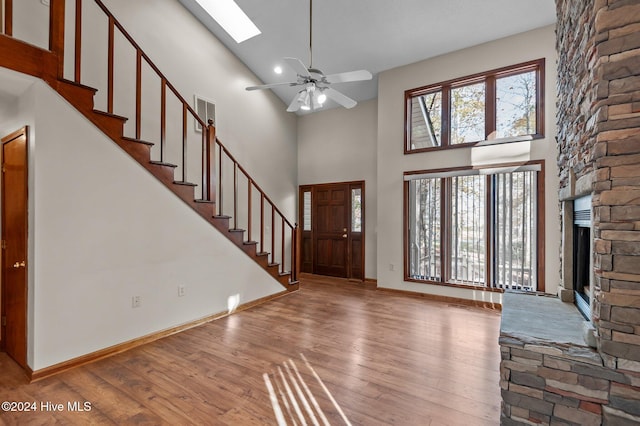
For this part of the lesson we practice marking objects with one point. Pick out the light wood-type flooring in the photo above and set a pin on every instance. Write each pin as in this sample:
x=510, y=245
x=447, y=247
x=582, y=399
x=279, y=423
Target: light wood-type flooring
x=331, y=353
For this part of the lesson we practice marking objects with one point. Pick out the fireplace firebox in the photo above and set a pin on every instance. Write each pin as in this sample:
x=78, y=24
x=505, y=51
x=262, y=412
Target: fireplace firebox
x=582, y=254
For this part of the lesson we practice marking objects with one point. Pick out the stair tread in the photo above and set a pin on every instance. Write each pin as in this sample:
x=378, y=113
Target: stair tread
x=109, y=114
x=222, y=216
x=128, y=139
x=162, y=163
x=236, y=230
x=273, y=264
x=181, y=182
x=249, y=243
x=75, y=83
x=199, y=200
x=263, y=253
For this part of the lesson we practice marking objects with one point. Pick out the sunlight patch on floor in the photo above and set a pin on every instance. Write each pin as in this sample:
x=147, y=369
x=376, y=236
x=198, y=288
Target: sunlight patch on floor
x=287, y=388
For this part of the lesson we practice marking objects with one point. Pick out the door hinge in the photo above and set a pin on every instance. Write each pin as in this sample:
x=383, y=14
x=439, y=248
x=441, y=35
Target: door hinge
x=4, y=321
x=3, y=168
x=4, y=244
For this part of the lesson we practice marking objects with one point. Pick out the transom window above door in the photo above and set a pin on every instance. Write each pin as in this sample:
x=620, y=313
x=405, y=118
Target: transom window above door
x=497, y=106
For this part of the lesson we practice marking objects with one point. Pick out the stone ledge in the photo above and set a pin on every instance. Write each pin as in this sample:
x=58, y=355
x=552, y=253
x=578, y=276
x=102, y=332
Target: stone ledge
x=533, y=318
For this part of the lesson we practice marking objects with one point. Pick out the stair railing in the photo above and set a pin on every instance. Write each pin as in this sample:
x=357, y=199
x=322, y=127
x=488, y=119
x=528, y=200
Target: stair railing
x=269, y=216
x=214, y=189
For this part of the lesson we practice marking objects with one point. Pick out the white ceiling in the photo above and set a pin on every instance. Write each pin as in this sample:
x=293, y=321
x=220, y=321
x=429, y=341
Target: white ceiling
x=376, y=35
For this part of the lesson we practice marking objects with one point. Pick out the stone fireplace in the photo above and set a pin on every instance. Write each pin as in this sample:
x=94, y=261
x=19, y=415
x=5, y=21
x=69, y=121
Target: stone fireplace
x=549, y=375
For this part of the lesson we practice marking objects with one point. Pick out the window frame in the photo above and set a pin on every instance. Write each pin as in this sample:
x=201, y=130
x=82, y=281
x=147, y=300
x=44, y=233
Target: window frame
x=489, y=78
x=445, y=234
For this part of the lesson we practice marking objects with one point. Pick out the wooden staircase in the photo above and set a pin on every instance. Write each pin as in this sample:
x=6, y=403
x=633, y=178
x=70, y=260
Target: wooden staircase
x=44, y=64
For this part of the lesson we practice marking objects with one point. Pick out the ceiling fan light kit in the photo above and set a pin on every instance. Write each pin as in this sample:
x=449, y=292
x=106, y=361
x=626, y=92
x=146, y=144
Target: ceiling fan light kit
x=315, y=84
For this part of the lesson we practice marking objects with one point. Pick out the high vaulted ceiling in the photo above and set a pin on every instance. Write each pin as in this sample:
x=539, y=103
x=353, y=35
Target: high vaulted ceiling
x=376, y=35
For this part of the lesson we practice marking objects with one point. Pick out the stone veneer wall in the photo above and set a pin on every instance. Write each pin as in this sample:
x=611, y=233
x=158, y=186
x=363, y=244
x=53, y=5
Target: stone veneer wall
x=598, y=43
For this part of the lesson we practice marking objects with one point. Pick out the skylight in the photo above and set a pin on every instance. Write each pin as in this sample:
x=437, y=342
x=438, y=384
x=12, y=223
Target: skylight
x=231, y=18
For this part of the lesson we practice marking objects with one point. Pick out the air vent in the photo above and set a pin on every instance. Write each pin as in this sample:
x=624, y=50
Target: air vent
x=206, y=110
x=582, y=211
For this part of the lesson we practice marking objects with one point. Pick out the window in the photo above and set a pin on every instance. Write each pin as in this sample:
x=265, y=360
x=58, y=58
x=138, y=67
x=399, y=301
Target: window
x=475, y=227
x=356, y=209
x=499, y=106
x=306, y=211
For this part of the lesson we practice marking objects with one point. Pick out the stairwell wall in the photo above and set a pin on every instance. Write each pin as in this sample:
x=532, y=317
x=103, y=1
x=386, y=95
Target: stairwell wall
x=104, y=230
x=253, y=125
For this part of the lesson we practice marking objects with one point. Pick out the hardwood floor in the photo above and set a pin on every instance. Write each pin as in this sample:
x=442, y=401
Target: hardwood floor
x=357, y=356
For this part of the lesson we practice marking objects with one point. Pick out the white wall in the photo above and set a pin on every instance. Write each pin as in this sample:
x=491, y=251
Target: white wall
x=339, y=145
x=392, y=162
x=31, y=22
x=17, y=105
x=102, y=230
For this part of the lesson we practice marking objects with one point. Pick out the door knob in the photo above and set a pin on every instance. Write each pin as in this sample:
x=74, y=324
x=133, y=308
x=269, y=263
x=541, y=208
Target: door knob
x=344, y=235
x=19, y=264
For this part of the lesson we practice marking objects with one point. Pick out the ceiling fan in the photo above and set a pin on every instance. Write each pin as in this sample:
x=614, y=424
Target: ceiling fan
x=315, y=85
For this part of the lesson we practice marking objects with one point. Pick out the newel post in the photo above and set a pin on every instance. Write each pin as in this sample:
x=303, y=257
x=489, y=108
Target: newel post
x=209, y=172
x=56, y=33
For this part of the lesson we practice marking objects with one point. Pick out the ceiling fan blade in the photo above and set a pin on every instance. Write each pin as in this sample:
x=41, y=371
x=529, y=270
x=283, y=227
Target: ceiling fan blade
x=269, y=86
x=343, y=100
x=297, y=65
x=296, y=102
x=345, y=77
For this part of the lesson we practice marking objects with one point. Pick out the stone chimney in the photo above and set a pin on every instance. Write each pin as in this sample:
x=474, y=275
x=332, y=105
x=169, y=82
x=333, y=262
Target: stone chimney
x=598, y=43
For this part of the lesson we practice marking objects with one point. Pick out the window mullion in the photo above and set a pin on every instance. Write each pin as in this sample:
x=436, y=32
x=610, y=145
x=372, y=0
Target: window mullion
x=490, y=107
x=445, y=231
x=489, y=260
x=446, y=115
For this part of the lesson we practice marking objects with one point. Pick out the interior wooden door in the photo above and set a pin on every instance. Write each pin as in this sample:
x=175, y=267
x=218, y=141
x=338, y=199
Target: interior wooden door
x=332, y=232
x=14, y=243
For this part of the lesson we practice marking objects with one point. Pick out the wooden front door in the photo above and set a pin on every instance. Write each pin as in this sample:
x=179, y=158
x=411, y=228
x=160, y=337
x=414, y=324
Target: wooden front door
x=14, y=243
x=332, y=241
x=331, y=231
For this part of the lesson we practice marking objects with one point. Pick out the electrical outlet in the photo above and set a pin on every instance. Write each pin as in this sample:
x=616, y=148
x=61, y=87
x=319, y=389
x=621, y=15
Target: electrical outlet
x=182, y=290
x=136, y=301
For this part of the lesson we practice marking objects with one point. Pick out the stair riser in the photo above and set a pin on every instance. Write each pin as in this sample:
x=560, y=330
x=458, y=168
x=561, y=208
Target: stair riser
x=166, y=172
x=250, y=249
x=110, y=125
x=82, y=98
x=236, y=237
x=140, y=152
